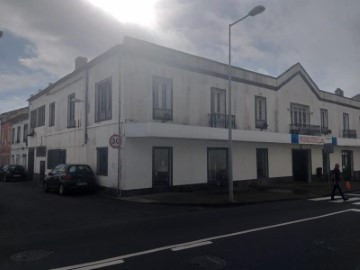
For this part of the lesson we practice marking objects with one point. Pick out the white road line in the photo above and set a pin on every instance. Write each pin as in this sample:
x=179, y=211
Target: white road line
x=191, y=246
x=103, y=263
x=323, y=198
x=356, y=203
x=353, y=194
x=349, y=200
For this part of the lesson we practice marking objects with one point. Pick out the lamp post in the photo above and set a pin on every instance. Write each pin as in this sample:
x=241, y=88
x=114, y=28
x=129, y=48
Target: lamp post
x=255, y=11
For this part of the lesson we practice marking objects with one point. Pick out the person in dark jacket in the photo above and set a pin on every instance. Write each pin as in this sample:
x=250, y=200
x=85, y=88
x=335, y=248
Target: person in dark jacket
x=336, y=178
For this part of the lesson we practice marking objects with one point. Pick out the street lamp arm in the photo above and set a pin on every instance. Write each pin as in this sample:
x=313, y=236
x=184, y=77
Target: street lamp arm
x=239, y=20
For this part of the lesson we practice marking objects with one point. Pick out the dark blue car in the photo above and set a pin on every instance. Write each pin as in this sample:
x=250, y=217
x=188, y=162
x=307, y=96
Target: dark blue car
x=66, y=177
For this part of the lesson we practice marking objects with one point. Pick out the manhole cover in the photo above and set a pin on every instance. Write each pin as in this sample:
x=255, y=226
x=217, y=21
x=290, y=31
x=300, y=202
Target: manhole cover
x=30, y=255
x=208, y=262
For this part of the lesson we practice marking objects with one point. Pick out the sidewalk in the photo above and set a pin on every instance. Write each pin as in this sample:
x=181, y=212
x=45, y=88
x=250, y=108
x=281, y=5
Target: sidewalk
x=248, y=195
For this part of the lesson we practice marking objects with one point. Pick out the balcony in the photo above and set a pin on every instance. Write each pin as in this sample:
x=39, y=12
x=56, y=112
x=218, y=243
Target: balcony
x=349, y=133
x=325, y=130
x=310, y=130
x=162, y=114
x=220, y=120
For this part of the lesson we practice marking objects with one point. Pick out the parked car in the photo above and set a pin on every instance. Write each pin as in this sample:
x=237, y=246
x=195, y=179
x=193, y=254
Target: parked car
x=12, y=172
x=66, y=177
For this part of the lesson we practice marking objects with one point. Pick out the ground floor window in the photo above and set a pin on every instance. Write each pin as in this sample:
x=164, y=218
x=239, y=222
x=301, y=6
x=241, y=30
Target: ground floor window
x=102, y=161
x=217, y=165
x=55, y=157
x=262, y=163
x=162, y=166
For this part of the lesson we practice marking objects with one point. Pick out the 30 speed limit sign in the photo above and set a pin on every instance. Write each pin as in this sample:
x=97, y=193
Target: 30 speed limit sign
x=115, y=141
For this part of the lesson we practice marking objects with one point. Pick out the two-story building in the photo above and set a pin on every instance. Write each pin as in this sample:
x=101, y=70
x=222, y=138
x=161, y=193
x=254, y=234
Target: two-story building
x=13, y=149
x=19, y=128
x=145, y=116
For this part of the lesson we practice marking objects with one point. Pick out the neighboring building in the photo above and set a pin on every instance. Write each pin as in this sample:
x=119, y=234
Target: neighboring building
x=169, y=109
x=19, y=129
x=8, y=137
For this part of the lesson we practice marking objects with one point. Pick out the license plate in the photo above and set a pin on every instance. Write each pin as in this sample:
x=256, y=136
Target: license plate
x=82, y=184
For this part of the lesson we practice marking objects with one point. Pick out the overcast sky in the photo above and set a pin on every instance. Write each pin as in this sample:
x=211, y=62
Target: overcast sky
x=42, y=37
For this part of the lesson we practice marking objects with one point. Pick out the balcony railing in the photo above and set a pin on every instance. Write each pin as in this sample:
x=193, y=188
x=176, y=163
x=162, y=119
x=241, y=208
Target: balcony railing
x=162, y=114
x=310, y=130
x=349, y=133
x=325, y=130
x=220, y=120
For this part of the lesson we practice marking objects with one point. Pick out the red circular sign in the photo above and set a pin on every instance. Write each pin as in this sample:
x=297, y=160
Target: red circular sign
x=115, y=141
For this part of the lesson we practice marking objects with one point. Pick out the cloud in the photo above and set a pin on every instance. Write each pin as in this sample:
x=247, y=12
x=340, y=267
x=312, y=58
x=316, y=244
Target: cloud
x=321, y=34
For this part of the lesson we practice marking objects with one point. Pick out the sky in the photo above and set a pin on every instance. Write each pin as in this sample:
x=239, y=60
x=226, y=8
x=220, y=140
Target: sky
x=43, y=37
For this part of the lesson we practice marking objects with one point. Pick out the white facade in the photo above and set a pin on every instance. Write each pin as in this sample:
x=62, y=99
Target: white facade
x=169, y=109
x=19, y=149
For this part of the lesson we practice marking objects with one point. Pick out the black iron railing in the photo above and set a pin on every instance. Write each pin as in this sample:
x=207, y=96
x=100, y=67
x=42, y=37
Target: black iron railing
x=349, y=133
x=220, y=120
x=311, y=130
x=162, y=114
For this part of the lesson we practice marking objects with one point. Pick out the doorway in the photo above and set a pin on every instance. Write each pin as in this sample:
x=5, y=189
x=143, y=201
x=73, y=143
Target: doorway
x=347, y=164
x=31, y=163
x=218, y=166
x=162, y=166
x=301, y=164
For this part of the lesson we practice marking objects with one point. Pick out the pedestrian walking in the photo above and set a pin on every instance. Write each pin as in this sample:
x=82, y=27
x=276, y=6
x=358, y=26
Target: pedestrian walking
x=336, y=178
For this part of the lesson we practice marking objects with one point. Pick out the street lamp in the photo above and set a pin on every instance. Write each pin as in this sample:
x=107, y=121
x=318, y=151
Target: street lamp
x=255, y=11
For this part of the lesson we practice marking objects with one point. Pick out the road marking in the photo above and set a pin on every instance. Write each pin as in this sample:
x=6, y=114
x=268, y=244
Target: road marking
x=191, y=246
x=323, y=198
x=352, y=194
x=349, y=200
x=356, y=203
x=92, y=265
x=119, y=259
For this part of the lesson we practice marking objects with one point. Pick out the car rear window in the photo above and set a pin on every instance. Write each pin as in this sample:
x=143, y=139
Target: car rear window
x=82, y=169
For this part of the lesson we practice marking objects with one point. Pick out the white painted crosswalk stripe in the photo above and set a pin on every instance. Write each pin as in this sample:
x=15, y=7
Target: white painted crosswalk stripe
x=356, y=203
x=349, y=200
x=327, y=198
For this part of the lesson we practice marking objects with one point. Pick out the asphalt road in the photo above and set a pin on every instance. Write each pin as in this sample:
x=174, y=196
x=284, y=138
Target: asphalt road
x=46, y=231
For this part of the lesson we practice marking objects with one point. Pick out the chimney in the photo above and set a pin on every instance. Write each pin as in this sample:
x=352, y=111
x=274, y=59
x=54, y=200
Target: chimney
x=339, y=92
x=80, y=61
x=356, y=97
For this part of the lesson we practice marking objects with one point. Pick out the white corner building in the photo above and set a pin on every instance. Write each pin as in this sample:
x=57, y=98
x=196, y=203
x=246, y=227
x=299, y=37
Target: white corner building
x=146, y=117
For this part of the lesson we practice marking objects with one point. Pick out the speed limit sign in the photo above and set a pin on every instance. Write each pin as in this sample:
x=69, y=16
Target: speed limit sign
x=115, y=141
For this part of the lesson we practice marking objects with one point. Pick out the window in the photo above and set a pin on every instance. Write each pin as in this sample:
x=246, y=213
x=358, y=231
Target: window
x=346, y=123
x=162, y=166
x=18, y=133
x=33, y=116
x=41, y=116
x=102, y=161
x=262, y=163
x=324, y=118
x=25, y=133
x=71, y=111
x=218, y=101
x=103, y=101
x=55, y=157
x=300, y=115
x=52, y=114
x=217, y=165
x=260, y=112
x=162, y=98
x=41, y=151
x=13, y=136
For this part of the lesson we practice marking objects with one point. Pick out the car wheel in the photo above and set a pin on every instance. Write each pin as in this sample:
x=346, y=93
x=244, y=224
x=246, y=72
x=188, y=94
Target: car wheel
x=45, y=187
x=61, y=190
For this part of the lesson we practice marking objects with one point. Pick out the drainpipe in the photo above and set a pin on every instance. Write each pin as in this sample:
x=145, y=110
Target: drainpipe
x=120, y=131
x=86, y=106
